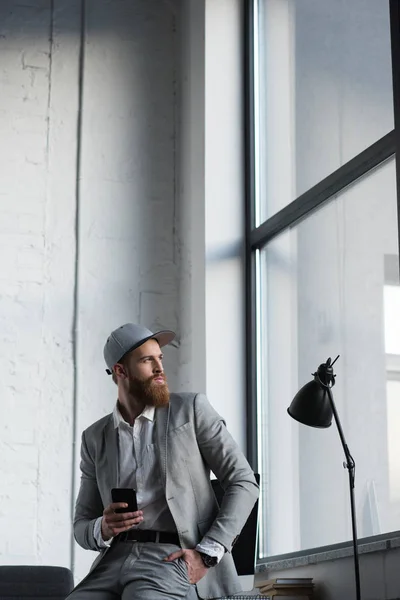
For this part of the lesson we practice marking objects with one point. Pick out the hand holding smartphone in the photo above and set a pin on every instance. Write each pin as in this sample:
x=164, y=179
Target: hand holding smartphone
x=113, y=524
x=127, y=495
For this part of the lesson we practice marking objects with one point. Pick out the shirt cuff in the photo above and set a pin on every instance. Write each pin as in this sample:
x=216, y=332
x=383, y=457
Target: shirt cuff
x=211, y=547
x=97, y=535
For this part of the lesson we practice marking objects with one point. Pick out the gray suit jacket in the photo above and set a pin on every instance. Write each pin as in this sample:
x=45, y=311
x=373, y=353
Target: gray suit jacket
x=191, y=440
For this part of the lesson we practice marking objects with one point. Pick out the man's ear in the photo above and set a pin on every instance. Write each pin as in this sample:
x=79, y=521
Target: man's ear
x=119, y=370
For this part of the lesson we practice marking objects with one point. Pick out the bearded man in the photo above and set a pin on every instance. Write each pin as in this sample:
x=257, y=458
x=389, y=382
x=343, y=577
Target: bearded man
x=178, y=544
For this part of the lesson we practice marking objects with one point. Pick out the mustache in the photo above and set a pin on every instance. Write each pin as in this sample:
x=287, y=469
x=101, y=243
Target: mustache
x=159, y=376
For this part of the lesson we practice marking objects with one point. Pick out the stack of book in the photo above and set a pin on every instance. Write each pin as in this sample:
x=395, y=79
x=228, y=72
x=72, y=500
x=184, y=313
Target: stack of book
x=296, y=588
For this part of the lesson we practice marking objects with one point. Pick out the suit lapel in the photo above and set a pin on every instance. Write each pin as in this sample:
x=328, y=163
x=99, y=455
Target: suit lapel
x=111, y=446
x=161, y=425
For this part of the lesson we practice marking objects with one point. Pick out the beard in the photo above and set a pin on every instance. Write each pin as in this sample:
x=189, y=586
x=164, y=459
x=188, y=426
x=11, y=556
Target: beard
x=152, y=394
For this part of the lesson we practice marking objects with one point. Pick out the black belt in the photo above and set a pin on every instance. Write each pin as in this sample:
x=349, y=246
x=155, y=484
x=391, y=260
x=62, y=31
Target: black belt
x=146, y=535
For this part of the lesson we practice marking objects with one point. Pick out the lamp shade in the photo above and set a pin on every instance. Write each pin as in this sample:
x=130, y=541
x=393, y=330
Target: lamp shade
x=311, y=406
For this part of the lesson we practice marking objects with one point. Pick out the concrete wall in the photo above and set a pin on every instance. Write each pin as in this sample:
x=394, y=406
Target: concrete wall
x=212, y=205
x=224, y=212
x=191, y=185
x=335, y=580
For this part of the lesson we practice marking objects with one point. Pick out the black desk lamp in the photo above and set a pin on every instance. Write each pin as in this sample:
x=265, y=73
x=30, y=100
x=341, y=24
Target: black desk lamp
x=313, y=405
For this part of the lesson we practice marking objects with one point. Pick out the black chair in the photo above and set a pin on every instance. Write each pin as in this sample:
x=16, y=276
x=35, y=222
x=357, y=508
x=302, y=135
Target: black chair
x=35, y=583
x=244, y=550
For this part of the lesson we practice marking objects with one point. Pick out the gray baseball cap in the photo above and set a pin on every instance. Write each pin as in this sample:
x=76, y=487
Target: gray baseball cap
x=127, y=338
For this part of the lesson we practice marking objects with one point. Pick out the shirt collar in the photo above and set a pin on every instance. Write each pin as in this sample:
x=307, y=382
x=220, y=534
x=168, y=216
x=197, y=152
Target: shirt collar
x=147, y=413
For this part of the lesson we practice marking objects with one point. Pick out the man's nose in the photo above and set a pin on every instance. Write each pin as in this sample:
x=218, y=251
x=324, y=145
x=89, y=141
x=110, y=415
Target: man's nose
x=158, y=367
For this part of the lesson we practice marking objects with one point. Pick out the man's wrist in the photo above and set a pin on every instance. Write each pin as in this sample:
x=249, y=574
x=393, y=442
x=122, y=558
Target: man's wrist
x=208, y=561
x=212, y=548
x=98, y=534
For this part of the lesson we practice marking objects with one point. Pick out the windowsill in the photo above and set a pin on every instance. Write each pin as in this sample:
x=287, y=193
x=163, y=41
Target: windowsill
x=377, y=543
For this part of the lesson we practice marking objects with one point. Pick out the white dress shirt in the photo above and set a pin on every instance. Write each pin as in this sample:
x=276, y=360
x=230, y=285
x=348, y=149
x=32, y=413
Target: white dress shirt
x=138, y=469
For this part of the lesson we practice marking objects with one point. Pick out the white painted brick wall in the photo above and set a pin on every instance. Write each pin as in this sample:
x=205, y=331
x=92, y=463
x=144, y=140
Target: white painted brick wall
x=128, y=265
x=37, y=213
x=141, y=256
x=23, y=135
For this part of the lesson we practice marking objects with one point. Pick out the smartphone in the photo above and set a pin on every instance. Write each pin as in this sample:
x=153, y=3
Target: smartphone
x=127, y=495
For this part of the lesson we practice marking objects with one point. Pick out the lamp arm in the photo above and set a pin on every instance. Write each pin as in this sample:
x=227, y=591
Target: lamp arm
x=349, y=463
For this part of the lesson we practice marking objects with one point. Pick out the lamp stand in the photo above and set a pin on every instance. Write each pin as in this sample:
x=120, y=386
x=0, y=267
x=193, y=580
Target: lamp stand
x=326, y=378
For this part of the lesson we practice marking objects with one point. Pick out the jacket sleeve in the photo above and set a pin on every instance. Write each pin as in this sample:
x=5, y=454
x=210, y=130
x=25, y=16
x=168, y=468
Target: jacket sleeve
x=232, y=470
x=88, y=505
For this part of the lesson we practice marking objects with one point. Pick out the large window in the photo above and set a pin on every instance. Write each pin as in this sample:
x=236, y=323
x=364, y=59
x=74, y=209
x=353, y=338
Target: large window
x=323, y=264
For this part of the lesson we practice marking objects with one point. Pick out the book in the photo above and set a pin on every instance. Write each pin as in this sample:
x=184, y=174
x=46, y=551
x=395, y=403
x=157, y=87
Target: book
x=288, y=594
x=287, y=597
x=287, y=587
x=280, y=586
x=267, y=588
x=287, y=581
x=292, y=581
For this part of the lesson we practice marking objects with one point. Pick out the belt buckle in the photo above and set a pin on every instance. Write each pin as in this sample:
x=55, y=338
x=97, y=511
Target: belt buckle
x=157, y=537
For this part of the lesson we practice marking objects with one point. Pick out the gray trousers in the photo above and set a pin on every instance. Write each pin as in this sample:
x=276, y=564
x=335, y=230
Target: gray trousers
x=136, y=571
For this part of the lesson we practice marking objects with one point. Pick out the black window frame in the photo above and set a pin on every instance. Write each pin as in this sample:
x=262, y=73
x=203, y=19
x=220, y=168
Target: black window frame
x=258, y=237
